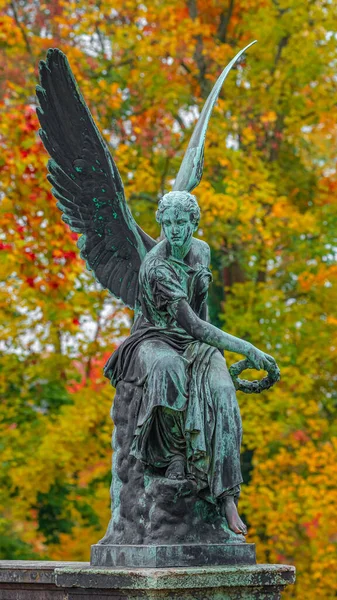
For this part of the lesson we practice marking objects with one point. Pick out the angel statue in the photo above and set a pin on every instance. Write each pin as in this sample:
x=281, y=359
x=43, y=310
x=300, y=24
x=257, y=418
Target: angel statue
x=177, y=436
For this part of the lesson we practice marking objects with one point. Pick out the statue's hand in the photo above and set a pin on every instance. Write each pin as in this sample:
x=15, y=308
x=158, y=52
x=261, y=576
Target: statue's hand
x=255, y=360
x=260, y=360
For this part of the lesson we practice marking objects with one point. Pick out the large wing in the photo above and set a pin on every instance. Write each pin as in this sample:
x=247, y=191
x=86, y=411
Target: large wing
x=87, y=184
x=190, y=172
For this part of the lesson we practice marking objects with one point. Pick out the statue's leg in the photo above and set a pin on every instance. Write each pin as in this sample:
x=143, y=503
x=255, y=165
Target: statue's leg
x=159, y=437
x=167, y=445
x=226, y=443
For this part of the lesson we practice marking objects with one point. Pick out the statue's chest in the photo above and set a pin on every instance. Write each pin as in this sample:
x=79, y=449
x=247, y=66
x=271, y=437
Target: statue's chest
x=194, y=280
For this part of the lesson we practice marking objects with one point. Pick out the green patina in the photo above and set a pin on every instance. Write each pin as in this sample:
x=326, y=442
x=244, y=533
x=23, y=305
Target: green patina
x=99, y=203
x=176, y=469
x=216, y=583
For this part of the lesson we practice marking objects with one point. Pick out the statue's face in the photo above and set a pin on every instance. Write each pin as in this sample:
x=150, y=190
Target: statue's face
x=177, y=225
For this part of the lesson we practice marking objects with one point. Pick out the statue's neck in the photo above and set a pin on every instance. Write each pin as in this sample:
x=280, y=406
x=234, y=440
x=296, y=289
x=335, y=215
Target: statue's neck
x=180, y=252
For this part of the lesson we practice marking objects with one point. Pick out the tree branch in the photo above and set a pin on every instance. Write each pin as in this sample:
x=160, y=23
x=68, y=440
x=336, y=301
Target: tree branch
x=97, y=333
x=22, y=29
x=224, y=22
x=187, y=69
x=198, y=53
x=143, y=196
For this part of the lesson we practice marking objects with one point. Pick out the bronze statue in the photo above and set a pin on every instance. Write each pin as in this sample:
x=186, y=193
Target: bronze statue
x=177, y=420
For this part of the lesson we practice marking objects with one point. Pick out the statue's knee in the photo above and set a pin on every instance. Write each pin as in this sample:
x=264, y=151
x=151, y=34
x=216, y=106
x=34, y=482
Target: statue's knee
x=222, y=389
x=170, y=363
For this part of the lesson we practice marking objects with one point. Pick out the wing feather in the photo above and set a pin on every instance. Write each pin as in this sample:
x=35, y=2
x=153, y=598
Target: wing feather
x=87, y=184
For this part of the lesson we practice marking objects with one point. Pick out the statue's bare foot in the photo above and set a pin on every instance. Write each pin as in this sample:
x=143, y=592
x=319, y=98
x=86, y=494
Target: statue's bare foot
x=230, y=511
x=176, y=469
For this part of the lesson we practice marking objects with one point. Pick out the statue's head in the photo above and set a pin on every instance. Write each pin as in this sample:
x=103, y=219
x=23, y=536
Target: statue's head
x=179, y=215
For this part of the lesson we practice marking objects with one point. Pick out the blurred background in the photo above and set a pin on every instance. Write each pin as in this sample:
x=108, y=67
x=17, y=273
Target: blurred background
x=268, y=200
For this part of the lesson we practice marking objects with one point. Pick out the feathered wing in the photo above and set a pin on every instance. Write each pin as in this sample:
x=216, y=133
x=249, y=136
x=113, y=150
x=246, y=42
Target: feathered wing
x=191, y=168
x=87, y=184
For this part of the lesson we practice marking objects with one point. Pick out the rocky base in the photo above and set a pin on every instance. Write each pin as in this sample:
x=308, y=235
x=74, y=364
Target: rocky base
x=147, y=508
x=34, y=580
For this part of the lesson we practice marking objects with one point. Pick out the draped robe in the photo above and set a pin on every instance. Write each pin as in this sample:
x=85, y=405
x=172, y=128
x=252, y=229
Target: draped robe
x=188, y=406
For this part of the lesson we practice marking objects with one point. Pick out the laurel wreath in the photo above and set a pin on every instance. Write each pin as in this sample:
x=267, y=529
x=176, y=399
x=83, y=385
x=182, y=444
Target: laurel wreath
x=256, y=386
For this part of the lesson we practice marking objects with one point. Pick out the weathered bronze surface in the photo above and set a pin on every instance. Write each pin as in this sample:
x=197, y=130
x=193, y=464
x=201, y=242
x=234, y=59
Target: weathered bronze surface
x=176, y=466
x=37, y=580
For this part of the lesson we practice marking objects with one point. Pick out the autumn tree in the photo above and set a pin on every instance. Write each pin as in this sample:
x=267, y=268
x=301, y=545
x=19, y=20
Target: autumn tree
x=268, y=200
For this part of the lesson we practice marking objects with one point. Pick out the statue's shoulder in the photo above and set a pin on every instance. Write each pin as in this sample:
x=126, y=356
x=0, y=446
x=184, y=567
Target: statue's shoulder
x=158, y=252
x=201, y=252
x=154, y=257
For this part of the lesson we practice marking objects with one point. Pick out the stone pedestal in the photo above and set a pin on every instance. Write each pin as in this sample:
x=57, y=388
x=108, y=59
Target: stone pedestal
x=179, y=555
x=25, y=580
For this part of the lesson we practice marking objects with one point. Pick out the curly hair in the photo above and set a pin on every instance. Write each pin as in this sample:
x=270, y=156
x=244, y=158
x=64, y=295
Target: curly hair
x=182, y=201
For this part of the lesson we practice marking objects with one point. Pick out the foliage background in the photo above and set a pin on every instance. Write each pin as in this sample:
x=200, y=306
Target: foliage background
x=268, y=200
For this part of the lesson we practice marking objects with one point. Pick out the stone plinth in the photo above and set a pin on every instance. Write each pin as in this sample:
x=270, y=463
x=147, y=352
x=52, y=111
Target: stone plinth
x=34, y=580
x=179, y=555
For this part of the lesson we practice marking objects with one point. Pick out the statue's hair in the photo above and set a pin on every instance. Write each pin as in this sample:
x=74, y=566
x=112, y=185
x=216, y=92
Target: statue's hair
x=181, y=200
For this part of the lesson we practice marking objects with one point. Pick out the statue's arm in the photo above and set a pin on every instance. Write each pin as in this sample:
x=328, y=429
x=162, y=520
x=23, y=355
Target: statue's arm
x=207, y=333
